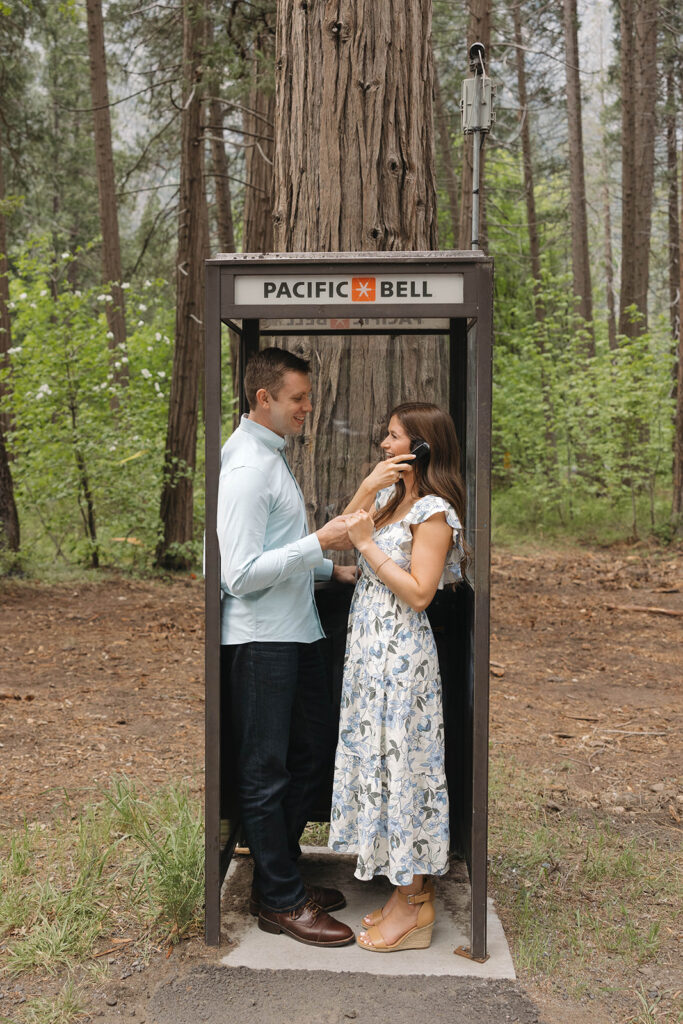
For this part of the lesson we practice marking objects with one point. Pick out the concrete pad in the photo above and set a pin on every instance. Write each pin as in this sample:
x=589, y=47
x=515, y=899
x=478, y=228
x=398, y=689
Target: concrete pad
x=259, y=950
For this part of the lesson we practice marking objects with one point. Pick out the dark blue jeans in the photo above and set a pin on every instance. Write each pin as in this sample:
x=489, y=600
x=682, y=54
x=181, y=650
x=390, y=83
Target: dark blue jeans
x=284, y=731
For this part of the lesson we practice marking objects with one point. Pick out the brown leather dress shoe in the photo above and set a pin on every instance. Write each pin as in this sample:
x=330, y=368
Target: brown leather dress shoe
x=309, y=924
x=327, y=899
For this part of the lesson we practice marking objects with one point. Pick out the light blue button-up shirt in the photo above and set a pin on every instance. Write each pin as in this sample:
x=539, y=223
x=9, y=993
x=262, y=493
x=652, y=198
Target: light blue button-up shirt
x=268, y=557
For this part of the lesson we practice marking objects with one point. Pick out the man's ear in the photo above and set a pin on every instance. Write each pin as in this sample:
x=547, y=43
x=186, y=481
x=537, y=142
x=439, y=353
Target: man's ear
x=262, y=398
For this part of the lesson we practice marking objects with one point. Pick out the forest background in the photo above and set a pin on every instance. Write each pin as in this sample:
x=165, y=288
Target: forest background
x=137, y=138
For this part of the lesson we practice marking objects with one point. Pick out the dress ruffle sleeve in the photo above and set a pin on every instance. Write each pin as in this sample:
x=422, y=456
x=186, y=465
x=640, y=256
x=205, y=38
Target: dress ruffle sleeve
x=423, y=509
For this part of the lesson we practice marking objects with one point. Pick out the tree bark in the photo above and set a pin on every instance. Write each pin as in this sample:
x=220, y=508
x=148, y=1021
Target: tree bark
x=181, y=439
x=646, y=92
x=104, y=158
x=225, y=227
x=581, y=275
x=629, y=254
x=607, y=226
x=9, y=519
x=5, y=322
x=638, y=35
x=354, y=170
x=478, y=30
x=445, y=148
x=354, y=96
x=221, y=170
x=673, y=228
x=259, y=121
x=609, y=260
x=527, y=161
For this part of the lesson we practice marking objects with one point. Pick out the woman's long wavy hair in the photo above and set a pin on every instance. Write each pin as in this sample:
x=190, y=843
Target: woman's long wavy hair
x=441, y=474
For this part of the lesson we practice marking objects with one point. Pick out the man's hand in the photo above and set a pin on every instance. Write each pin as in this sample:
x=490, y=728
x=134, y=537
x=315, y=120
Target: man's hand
x=345, y=573
x=333, y=536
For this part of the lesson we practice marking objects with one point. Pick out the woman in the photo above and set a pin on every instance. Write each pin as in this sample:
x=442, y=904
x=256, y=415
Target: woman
x=390, y=802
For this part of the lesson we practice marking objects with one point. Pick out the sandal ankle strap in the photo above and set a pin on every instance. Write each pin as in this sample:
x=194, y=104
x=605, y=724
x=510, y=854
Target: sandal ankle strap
x=423, y=896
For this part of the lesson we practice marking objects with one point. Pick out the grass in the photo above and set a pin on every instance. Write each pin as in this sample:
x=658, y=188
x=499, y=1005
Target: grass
x=579, y=900
x=316, y=833
x=521, y=515
x=66, y=1007
x=130, y=860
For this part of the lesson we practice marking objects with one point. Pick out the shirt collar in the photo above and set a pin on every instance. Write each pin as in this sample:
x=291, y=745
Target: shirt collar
x=261, y=433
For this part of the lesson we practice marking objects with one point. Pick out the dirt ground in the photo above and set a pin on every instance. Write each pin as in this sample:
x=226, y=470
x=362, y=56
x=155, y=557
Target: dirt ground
x=107, y=677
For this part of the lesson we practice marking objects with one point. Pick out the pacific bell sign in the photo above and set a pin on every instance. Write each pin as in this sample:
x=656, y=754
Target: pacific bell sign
x=333, y=290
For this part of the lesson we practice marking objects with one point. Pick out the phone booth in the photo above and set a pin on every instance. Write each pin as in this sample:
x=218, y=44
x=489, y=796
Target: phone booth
x=340, y=305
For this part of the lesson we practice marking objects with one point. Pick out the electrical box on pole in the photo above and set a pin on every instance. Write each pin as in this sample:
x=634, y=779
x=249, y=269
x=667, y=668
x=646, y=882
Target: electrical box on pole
x=476, y=105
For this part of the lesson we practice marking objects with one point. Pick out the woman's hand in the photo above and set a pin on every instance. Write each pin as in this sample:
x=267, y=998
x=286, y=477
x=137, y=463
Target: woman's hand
x=385, y=473
x=388, y=471
x=361, y=527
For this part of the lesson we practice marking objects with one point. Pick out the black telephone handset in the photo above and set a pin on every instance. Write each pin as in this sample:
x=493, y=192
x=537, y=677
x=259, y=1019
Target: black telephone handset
x=420, y=449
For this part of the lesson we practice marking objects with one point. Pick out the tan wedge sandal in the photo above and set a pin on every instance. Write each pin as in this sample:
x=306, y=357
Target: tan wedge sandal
x=417, y=937
x=375, y=916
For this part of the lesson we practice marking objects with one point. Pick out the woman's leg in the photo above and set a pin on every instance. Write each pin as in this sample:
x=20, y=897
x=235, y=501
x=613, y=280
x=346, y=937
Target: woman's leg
x=401, y=917
x=375, y=916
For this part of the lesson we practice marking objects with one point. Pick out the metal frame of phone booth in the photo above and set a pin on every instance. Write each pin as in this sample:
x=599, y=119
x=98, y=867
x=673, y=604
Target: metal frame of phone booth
x=459, y=300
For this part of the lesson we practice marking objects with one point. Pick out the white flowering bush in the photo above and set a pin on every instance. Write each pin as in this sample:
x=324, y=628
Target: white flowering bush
x=87, y=438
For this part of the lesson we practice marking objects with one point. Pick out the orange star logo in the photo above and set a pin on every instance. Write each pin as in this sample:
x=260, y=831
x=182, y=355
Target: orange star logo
x=363, y=289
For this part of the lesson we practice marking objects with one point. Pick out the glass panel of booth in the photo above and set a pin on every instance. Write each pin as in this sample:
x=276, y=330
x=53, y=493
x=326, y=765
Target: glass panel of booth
x=361, y=368
x=357, y=379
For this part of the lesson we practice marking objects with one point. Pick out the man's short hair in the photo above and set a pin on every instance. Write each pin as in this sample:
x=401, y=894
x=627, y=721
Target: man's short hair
x=266, y=370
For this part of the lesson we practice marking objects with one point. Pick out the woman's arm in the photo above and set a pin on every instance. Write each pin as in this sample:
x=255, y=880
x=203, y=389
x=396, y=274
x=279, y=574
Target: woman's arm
x=385, y=473
x=432, y=540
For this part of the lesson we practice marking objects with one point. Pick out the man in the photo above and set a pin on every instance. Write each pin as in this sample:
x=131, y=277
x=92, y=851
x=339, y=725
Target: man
x=281, y=712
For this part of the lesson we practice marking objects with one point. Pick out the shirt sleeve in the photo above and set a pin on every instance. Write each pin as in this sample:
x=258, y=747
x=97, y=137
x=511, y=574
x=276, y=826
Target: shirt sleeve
x=324, y=572
x=244, y=503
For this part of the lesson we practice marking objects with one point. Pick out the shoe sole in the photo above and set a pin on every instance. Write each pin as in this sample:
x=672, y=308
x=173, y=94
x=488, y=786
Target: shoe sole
x=255, y=908
x=276, y=929
x=416, y=938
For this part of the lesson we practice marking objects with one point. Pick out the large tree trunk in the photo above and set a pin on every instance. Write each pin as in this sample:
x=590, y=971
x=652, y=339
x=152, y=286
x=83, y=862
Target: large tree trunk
x=672, y=172
x=181, y=438
x=225, y=228
x=259, y=120
x=221, y=172
x=647, y=79
x=9, y=520
x=532, y=225
x=629, y=252
x=607, y=226
x=104, y=157
x=609, y=259
x=581, y=275
x=446, y=151
x=354, y=170
x=5, y=323
x=638, y=34
x=478, y=30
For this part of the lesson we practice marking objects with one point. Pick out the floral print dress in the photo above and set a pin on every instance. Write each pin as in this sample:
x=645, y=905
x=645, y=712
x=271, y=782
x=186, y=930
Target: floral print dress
x=390, y=801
